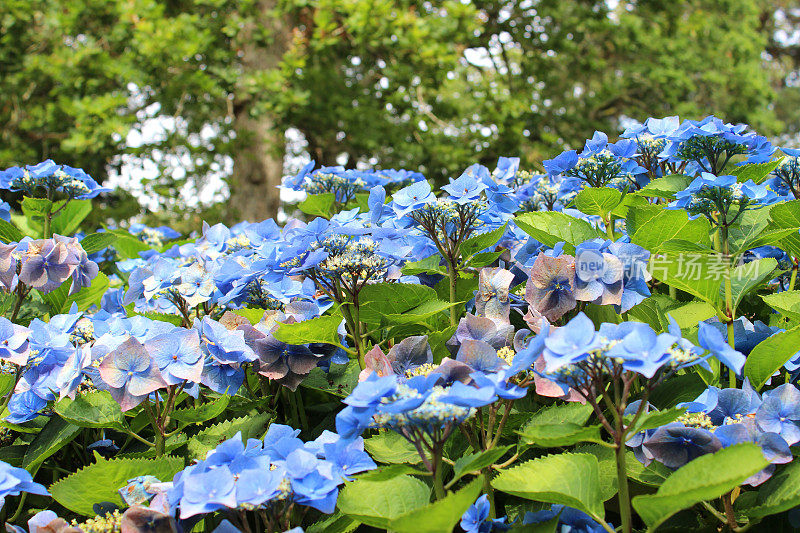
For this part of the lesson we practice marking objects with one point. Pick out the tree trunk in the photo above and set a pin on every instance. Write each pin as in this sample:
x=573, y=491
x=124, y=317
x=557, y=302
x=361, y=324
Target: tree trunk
x=260, y=145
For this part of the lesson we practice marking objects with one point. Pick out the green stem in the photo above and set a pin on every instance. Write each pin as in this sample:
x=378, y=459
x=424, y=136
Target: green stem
x=624, y=494
x=501, y=425
x=46, y=224
x=793, y=278
x=609, y=223
x=489, y=491
x=452, y=274
x=18, y=512
x=137, y=437
x=357, y=325
x=731, y=342
x=175, y=431
x=746, y=527
x=22, y=291
x=339, y=295
x=7, y=399
x=350, y=323
x=729, y=310
x=161, y=444
x=160, y=441
x=302, y=412
x=293, y=411
x=730, y=516
x=710, y=508
x=438, y=482
x=169, y=405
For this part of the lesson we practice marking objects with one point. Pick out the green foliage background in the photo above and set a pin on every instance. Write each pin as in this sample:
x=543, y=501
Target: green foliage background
x=430, y=86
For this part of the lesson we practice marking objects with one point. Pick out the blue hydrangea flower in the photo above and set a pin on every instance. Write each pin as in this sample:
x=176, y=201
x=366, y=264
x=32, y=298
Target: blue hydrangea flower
x=779, y=412
x=466, y=188
x=14, y=345
x=774, y=448
x=710, y=144
x=423, y=402
x=362, y=403
x=785, y=178
x=412, y=197
x=177, y=355
x=294, y=182
x=600, y=164
x=561, y=163
x=196, y=285
x=14, y=481
x=506, y=170
x=165, y=276
x=746, y=334
x=569, y=520
x=309, y=483
x=25, y=406
x=711, y=339
x=731, y=404
x=598, y=274
x=476, y=518
x=281, y=468
x=8, y=265
x=222, y=379
x=571, y=343
x=674, y=444
x=347, y=456
x=642, y=350
x=653, y=127
x=285, y=363
x=73, y=373
x=636, y=442
x=376, y=203
x=479, y=355
x=208, y=491
x=47, y=175
x=528, y=351
x=635, y=275
x=464, y=395
x=130, y=374
x=500, y=382
x=226, y=346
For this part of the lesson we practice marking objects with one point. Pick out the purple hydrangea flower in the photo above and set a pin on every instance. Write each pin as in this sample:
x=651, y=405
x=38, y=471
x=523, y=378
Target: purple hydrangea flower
x=492, y=299
x=551, y=286
x=47, y=264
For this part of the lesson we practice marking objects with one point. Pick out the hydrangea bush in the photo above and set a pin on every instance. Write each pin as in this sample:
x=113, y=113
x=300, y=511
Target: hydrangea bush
x=611, y=345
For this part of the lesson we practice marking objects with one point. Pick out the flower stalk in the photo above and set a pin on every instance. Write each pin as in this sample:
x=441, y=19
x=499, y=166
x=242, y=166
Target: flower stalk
x=729, y=310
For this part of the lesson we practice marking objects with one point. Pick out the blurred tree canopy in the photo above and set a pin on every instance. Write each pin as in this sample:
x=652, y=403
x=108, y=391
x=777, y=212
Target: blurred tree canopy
x=197, y=90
